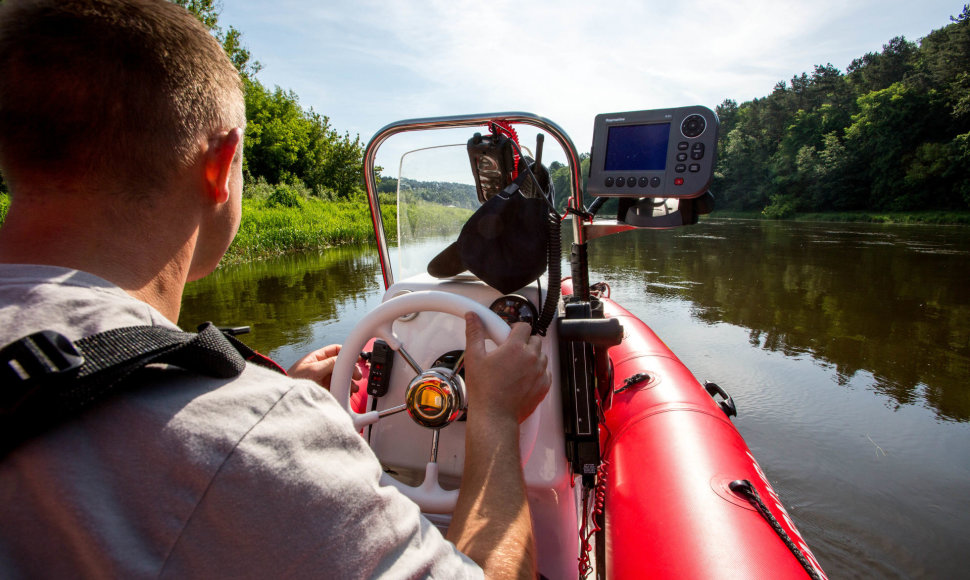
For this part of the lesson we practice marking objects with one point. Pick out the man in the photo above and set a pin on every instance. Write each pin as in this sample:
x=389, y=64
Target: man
x=121, y=126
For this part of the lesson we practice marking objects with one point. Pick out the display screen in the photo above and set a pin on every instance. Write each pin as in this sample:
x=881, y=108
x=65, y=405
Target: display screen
x=637, y=147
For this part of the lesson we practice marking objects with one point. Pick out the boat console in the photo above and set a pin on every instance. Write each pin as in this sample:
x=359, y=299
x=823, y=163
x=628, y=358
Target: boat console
x=591, y=474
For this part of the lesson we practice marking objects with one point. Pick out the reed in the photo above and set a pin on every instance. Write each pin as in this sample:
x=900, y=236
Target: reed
x=267, y=230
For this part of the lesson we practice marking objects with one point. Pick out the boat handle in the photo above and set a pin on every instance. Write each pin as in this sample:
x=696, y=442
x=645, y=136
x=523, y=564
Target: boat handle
x=727, y=405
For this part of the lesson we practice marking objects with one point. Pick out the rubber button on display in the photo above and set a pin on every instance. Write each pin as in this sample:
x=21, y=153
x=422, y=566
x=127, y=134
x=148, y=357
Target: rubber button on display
x=693, y=126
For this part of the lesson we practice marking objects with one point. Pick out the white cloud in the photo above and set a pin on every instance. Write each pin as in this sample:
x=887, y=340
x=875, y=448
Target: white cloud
x=368, y=63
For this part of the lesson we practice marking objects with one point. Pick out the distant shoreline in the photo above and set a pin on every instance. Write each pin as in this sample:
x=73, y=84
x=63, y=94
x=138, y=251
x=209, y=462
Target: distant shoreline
x=941, y=218
x=316, y=224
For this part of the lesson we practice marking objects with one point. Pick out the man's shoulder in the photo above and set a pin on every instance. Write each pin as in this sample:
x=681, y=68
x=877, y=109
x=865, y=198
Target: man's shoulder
x=207, y=413
x=71, y=302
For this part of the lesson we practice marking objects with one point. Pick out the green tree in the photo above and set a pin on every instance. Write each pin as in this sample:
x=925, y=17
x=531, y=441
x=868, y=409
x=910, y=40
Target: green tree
x=945, y=53
x=285, y=142
x=960, y=167
x=207, y=11
x=727, y=113
x=561, y=180
x=832, y=188
x=884, y=139
x=873, y=72
x=890, y=134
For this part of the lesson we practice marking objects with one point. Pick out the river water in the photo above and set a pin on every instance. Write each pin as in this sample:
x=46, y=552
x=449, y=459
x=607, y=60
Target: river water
x=845, y=347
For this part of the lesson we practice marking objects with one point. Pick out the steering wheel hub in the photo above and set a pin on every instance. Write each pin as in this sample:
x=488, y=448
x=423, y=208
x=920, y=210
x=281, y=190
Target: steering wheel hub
x=435, y=398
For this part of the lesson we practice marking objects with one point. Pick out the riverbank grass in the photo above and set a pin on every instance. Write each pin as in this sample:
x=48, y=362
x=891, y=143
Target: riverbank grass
x=287, y=221
x=267, y=229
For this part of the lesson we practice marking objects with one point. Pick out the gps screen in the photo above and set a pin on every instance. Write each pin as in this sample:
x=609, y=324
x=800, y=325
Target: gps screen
x=637, y=147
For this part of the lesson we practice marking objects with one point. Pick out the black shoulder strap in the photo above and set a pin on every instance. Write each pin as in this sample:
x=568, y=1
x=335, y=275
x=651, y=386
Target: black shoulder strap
x=46, y=379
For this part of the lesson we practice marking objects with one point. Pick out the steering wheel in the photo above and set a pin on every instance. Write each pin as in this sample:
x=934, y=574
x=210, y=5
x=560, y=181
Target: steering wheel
x=429, y=496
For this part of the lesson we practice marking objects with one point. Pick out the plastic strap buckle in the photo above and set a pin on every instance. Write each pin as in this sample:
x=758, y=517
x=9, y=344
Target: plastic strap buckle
x=32, y=360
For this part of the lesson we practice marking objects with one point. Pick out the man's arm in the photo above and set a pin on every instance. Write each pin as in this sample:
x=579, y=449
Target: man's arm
x=491, y=523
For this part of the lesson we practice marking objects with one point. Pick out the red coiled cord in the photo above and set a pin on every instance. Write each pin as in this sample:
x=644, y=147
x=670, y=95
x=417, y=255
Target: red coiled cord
x=590, y=525
x=505, y=127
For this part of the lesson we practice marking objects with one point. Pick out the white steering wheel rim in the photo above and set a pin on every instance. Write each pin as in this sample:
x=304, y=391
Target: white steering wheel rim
x=429, y=496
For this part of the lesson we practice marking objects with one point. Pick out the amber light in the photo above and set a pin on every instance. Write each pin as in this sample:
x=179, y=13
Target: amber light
x=435, y=398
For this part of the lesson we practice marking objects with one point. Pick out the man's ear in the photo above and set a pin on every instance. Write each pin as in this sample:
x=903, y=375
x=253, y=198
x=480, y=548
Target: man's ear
x=218, y=163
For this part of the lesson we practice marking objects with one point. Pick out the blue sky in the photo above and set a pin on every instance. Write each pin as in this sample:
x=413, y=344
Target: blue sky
x=367, y=63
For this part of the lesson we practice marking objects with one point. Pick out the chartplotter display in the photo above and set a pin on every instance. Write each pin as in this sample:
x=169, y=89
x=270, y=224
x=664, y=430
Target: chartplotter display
x=655, y=153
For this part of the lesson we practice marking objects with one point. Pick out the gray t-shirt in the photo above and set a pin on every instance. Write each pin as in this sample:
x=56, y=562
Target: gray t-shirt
x=260, y=476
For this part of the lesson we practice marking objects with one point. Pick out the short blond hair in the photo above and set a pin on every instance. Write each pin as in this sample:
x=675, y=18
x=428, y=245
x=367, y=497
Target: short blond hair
x=112, y=92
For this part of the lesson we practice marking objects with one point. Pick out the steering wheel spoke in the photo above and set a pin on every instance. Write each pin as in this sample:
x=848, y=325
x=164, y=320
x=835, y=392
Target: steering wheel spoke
x=409, y=359
x=392, y=411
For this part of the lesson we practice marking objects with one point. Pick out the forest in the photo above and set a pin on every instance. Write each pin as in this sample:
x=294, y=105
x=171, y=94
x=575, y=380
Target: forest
x=891, y=133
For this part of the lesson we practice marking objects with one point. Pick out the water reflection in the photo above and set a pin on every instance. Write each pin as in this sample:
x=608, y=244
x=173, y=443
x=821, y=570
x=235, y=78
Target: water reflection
x=889, y=300
x=286, y=298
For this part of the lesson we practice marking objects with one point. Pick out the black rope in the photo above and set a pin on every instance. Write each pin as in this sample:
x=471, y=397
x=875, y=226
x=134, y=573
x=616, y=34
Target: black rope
x=743, y=487
x=585, y=215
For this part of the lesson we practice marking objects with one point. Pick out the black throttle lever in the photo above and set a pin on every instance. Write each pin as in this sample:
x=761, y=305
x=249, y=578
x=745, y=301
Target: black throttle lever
x=604, y=332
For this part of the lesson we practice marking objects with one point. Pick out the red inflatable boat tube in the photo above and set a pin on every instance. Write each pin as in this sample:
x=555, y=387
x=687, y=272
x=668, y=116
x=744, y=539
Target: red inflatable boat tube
x=671, y=454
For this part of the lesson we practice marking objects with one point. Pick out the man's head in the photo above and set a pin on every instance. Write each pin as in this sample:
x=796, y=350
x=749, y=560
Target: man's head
x=114, y=94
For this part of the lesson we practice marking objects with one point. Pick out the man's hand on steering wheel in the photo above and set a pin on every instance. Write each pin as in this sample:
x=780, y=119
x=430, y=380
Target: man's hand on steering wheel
x=511, y=380
x=318, y=366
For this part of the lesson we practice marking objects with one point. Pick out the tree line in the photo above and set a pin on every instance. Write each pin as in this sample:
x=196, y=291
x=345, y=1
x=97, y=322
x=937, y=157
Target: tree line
x=892, y=133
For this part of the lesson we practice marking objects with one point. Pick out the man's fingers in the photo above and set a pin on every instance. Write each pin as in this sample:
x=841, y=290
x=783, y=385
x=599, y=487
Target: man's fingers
x=520, y=332
x=328, y=351
x=474, y=337
x=324, y=368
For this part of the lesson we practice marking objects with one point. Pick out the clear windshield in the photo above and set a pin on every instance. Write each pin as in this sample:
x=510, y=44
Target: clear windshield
x=435, y=196
x=430, y=189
